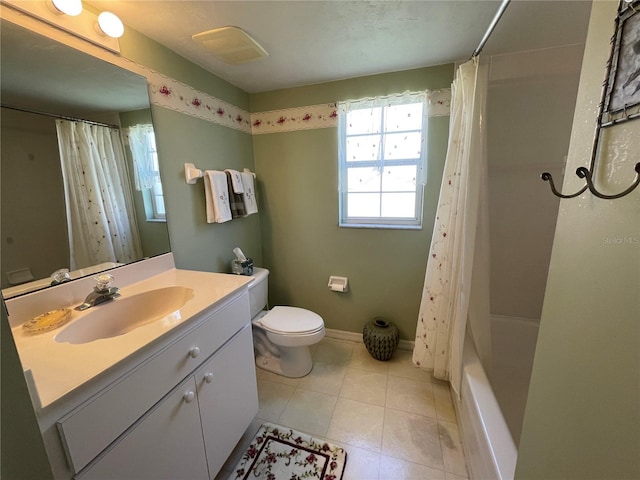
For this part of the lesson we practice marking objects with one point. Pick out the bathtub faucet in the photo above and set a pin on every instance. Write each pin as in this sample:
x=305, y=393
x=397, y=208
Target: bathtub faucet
x=102, y=292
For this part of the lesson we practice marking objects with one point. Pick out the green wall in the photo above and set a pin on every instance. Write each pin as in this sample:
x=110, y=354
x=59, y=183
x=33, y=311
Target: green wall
x=582, y=419
x=182, y=139
x=301, y=241
x=22, y=456
x=143, y=50
x=196, y=244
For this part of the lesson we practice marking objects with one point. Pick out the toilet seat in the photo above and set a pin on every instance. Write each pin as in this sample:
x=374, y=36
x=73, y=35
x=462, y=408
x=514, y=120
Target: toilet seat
x=291, y=321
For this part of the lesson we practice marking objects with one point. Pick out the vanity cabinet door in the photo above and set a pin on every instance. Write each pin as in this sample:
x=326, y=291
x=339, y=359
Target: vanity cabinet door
x=228, y=397
x=166, y=443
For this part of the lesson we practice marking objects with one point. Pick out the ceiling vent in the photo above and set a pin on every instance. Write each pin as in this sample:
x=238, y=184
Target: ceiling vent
x=231, y=45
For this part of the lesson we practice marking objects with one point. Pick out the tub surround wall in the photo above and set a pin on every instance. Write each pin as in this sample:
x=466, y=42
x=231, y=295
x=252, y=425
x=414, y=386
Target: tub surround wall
x=513, y=342
x=302, y=243
x=582, y=411
x=532, y=97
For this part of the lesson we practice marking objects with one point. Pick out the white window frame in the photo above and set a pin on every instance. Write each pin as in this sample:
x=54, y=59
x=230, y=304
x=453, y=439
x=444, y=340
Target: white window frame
x=344, y=108
x=142, y=143
x=156, y=194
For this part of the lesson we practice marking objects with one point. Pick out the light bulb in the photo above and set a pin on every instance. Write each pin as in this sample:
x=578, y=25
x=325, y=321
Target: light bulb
x=110, y=24
x=68, y=7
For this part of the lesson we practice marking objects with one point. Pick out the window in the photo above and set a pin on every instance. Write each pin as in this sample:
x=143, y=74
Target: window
x=156, y=195
x=381, y=153
x=142, y=142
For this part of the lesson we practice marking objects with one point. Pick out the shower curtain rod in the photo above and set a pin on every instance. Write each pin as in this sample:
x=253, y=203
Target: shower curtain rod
x=62, y=117
x=492, y=25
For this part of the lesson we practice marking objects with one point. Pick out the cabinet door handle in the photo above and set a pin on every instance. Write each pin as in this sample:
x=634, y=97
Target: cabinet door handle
x=189, y=396
x=208, y=377
x=194, y=352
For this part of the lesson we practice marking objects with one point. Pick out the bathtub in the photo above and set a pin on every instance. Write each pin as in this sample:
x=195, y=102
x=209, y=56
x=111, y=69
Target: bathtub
x=489, y=449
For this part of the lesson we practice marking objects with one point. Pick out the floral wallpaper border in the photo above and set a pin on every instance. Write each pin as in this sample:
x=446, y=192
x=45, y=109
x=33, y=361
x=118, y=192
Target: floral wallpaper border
x=169, y=93
x=172, y=94
x=324, y=116
x=297, y=118
x=176, y=96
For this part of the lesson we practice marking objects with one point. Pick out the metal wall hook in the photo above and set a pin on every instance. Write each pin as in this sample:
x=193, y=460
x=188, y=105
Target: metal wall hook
x=605, y=112
x=546, y=176
x=583, y=172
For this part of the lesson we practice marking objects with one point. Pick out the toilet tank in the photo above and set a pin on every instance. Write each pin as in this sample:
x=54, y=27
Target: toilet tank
x=258, y=290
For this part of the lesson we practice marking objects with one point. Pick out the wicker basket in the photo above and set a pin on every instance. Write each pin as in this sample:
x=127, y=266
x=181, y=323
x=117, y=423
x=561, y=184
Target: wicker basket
x=381, y=338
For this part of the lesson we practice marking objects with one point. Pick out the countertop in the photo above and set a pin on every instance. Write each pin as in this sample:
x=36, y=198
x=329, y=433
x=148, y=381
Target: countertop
x=59, y=368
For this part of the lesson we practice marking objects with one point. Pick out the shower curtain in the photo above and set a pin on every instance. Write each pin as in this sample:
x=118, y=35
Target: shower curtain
x=100, y=215
x=450, y=275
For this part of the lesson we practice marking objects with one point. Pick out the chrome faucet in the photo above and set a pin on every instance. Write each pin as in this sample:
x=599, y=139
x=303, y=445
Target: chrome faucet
x=102, y=292
x=60, y=276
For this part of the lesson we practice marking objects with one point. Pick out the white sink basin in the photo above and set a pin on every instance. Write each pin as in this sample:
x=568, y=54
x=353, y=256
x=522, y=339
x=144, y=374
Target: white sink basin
x=125, y=314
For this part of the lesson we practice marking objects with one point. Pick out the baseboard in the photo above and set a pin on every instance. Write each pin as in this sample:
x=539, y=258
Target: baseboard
x=357, y=337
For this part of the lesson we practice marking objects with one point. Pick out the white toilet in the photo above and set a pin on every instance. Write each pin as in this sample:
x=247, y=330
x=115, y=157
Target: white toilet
x=282, y=335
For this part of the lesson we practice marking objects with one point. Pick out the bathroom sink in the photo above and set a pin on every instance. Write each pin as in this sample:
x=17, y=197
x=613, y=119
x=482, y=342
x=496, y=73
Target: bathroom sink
x=125, y=314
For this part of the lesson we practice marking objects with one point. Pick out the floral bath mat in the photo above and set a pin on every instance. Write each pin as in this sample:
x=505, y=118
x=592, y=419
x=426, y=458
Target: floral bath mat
x=279, y=453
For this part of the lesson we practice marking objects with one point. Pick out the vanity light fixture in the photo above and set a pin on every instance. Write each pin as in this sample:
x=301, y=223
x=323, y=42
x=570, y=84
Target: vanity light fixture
x=67, y=7
x=84, y=24
x=109, y=24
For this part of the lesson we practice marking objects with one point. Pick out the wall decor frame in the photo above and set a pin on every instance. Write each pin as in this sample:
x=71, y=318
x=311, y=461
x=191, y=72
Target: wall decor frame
x=620, y=99
x=622, y=88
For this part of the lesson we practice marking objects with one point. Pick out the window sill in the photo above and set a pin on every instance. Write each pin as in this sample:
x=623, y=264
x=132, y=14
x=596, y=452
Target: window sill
x=156, y=220
x=380, y=226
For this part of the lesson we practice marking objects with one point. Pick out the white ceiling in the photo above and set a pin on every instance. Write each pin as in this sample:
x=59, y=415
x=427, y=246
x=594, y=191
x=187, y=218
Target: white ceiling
x=317, y=41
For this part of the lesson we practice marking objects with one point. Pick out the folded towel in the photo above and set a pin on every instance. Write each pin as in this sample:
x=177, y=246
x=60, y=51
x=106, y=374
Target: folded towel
x=236, y=181
x=249, y=195
x=217, y=197
x=236, y=201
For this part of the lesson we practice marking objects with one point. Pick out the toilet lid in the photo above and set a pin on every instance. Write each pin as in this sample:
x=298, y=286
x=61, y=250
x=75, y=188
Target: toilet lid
x=292, y=320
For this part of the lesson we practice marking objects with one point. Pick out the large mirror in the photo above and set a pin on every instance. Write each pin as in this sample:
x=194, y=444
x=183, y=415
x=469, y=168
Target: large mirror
x=41, y=81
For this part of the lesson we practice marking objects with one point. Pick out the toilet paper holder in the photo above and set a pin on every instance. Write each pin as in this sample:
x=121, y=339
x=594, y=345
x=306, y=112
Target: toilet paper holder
x=338, y=284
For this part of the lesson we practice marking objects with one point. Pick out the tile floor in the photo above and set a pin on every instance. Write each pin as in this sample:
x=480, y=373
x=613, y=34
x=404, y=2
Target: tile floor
x=395, y=421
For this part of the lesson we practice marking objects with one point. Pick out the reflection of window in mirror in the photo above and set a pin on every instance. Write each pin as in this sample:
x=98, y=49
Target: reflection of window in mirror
x=142, y=141
x=156, y=195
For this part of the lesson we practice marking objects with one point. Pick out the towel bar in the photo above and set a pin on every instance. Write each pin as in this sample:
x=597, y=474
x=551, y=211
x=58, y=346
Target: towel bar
x=192, y=173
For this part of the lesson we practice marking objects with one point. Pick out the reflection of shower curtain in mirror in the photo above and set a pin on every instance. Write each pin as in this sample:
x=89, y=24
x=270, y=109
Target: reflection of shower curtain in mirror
x=100, y=216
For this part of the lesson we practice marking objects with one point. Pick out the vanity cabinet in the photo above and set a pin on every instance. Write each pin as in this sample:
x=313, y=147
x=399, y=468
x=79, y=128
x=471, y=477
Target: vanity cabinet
x=222, y=386
x=163, y=444
x=131, y=431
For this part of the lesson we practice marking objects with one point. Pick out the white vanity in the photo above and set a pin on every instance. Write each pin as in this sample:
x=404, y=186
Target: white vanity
x=167, y=397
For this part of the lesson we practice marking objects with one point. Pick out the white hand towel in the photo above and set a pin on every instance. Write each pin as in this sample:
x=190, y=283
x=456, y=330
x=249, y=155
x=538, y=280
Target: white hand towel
x=236, y=180
x=249, y=195
x=217, y=196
